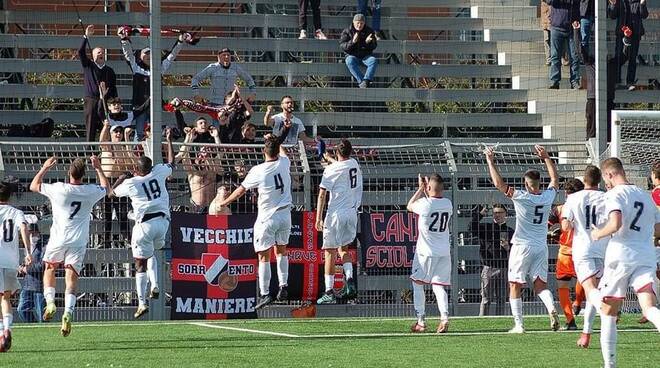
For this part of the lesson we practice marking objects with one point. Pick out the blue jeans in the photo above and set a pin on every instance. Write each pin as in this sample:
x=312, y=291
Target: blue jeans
x=31, y=306
x=140, y=122
x=558, y=39
x=353, y=63
x=375, y=12
x=585, y=31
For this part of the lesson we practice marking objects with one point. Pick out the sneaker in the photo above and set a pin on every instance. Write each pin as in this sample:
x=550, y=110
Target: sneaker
x=49, y=312
x=364, y=84
x=631, y=87
x=66, y=324
x=517, y=330
x=554, y=85
x=283, y=294
x=571, y=326
x=351, y=290
x=584, y=340
x=319, y=35
x=577, y=308
x=303, y=34
x=554, y=321
x=417, y=328
x=327, y=298
x=264, y=300
x=443, y=327
x=154, y=293
x=141, y=311
x=5, y=341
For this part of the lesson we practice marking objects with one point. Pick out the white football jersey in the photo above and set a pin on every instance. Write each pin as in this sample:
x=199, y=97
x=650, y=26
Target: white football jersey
x=11, y=219
x=72, y=207
x=586, y=209
x=343, y=179
x=633, y=243
x=532, y=216
x=273, y=182
x=433, y=225
x=148, y=193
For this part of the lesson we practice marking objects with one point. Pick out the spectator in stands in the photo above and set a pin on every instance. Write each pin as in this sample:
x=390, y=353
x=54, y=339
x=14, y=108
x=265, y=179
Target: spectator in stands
x=285, y=120
x=545, y=27
x=141, y=69
x=96, y=75
x=494, y=245
x=117, y=116
x=590, y=78
x=564, y=17
x=116, y=159
x=587, y=16
x=302, y=18
x=31, y=301
x=201, y=164
x=237, y=115
x=249, y=133
x=629, y=31
x=224, y=76
x=375, y=14
x=204, y=132
x=359, y=42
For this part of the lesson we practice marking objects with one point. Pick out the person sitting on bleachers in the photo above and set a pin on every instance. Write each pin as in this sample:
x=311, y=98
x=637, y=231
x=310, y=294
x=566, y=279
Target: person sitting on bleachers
x=359, y=42
x=284, y=120
x=224, y=76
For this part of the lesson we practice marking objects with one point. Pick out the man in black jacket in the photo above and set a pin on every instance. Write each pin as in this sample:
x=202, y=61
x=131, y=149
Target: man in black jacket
x=31, y=301
x=96, y=75
x=359, y=42
x=629, y=15
x=494, y=245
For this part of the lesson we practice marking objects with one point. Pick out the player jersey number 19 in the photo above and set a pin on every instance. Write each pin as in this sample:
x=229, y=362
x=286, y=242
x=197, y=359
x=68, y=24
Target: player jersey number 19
x=153, y=190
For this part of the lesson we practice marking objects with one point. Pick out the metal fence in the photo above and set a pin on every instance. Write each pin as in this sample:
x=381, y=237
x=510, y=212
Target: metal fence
x=390, y=178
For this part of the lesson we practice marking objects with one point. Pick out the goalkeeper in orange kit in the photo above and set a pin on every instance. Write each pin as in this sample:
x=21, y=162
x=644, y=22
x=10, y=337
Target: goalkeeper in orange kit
x=565, y=270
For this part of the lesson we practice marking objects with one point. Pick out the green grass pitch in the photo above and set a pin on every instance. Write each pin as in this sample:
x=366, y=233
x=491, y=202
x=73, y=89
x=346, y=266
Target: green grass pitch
x=472, y=342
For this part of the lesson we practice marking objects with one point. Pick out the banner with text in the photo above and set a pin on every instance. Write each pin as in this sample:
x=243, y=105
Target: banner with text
x=387, y=242
x=214, y=267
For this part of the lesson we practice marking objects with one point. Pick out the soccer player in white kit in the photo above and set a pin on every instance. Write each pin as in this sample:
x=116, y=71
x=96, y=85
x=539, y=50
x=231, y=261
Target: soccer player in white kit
x=72, y=205
x=432, y=261
x=13, y=223
x=343, y=179
x=150, y=200
x=632, y=221
x=273, y=226
x=581, y=211
x=528, y=258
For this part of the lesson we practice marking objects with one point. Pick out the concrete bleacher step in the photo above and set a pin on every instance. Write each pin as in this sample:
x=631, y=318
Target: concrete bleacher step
x=498, y=12
x=519, y=24
x=510, y=3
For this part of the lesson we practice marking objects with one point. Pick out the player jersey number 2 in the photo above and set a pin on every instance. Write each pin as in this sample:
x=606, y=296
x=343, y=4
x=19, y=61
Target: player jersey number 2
x=152, y=190
x=8, y=230
x=639, y=206
x=438, y=217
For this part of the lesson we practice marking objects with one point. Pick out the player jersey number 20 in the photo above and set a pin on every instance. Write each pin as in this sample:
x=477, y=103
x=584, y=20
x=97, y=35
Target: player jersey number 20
x=439, y=222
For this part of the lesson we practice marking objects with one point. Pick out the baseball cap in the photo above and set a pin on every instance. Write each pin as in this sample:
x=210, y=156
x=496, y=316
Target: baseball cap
x=112, y=128
x=358, y=18
x=224, y=50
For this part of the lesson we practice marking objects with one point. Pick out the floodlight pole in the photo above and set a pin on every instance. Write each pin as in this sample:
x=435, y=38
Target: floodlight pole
x=600, y=56
x=157, y=310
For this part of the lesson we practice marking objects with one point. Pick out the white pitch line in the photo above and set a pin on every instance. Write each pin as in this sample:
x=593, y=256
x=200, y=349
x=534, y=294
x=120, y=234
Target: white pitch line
x=410, y=334
x=202, y=324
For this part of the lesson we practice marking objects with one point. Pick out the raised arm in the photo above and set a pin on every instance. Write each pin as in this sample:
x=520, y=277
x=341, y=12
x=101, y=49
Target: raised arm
x=550, y=165
x=169, y=147
x=268, y=120
x=167, y=63
x=420, y=193
x=35, y=185
x=82, y=51
x=103, y=180
x=494, y=173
